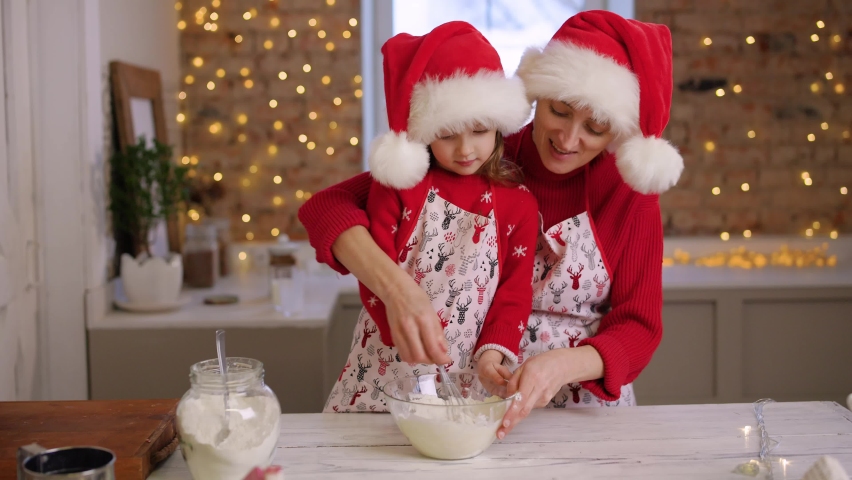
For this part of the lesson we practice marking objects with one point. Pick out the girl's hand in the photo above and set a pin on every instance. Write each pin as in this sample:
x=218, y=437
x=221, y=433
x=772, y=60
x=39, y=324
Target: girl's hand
x=415, y=328
x=542, y=376
x=493, y=375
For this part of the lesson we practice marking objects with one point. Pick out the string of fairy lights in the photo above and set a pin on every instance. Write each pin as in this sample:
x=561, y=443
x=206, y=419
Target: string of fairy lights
x=827, y=83
x=209, y=18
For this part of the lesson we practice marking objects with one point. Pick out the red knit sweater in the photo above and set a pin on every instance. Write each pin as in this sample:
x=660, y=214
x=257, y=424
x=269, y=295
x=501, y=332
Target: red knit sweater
x=630, y=235
x=394, y=213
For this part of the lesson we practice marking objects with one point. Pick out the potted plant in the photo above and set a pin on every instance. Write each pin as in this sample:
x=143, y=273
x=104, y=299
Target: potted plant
x=147, y=188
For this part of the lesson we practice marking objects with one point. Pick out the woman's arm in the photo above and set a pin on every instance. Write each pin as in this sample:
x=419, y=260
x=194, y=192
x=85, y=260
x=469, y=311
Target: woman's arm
x=331, y=212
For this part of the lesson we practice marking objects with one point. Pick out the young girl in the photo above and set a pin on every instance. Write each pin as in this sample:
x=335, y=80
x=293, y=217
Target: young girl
x=447, y=209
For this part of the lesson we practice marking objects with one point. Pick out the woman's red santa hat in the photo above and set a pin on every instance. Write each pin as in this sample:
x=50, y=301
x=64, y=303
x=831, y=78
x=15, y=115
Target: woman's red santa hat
x=447, y=80
x=622, y=70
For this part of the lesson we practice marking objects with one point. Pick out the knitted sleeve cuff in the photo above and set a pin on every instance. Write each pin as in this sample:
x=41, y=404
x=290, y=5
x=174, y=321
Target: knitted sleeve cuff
x=511, y=357
x=323, y=230
x=616, y=367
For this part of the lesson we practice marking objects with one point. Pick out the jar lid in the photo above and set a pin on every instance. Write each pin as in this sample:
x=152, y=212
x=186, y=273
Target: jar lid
x=284, y=246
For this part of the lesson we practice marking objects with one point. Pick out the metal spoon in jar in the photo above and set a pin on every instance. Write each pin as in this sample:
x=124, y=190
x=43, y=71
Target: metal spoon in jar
x=223, y=369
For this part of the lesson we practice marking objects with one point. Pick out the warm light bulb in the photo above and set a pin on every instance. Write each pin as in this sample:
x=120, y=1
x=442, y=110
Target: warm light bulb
x=273, y=149
x=214, y=16
x=820, y=24
x=329, y=151
x=306, y=67
x=836, y=38
x=220, y=73
x=178, y=6
x=353, y=22
x=312, y=115
x=809, y=232
x=277, y=179
x=291, y=34
x=300, y=89
x=243, y=255
x=274, y=22
x=311, y=145
x=217, y=176
x=312, y=22
x=277, y=200
x=303, y=138
x=211, y=85
x=747, y=233
x=321, y=34
x=811, y=137
x=300, y=194
x=815, y=87
x=751, y=134
x=833, y=234
x=248, y=83
x=720, y=92
x=824, y=125
x=353, y=141
x=241, y=138
x=738, y=88
x=844, y=190
x=749, y=40
x=745, y=187
x=181, y=117
x=185, y=160
x=268, y=44
x=805, y=175
x=809, y=181
x=278, y=125
x=709, y=146
x=193, y=160
x=329, y=2
x=238, y=39
x=253, y=169
x=725, y=236
x=247, y=16
x=359, y=93
x=815, y=38
x=326, y=80
x=347, y=34
x=839, y=88
x=329, y=46
x=246, y=218
x=332, y=125
x=275, y=232
x=242, y=119
x=357, y=79
x=282, y=75
x=829, y=75
x=216, y=3
x=245, y=72
x=246, y=182
x=189, y=79
x=193, y=215
x=707, y=41
x=249, y=236
x=181, y=25
x=716, y=190
x=337, y=101
x=817, y=225
x=215, y=128
x=273, y=103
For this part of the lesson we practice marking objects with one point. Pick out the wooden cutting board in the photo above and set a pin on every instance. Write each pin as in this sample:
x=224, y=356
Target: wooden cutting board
x=142, y=433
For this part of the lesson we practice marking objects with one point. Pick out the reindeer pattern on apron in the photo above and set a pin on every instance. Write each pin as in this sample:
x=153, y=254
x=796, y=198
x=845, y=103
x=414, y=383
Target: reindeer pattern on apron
x=452, y=254
x=571, y=288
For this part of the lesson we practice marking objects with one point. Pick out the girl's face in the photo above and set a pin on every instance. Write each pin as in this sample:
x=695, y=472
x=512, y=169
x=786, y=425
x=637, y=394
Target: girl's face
x=465, y=152
x=566, y=137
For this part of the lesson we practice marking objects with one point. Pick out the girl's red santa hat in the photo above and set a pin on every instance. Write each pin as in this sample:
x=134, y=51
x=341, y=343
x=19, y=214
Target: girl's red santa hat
x=622, y=70
x=447, y=80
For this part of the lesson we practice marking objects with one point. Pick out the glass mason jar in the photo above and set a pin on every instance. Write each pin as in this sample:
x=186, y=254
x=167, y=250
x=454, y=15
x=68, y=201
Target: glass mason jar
x=212, y=451
x=286, y=278
x=201, y=256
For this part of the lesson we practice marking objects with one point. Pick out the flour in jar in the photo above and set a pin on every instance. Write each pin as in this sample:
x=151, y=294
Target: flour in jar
x=450, y=433
x=254, y=425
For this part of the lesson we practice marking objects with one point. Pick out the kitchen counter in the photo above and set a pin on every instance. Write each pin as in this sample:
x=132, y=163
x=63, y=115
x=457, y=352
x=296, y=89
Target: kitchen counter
x=676, y=441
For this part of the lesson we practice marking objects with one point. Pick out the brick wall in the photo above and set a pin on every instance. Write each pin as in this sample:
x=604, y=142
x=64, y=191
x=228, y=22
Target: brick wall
x=242, y=46
x=785, y=97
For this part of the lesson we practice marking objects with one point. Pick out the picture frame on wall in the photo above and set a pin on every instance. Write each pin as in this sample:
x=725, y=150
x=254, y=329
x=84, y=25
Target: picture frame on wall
x=137, y=95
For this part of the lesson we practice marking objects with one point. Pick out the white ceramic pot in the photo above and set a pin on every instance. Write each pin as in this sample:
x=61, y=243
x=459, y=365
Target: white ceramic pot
x=152, y=280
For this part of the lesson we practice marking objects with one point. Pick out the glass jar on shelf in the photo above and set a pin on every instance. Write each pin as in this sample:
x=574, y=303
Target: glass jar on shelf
x=286, y=277
x=201, y=256
x=253, y=420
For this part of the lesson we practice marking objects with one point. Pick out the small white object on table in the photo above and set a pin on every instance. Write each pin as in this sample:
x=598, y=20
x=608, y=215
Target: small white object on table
x=674, y=441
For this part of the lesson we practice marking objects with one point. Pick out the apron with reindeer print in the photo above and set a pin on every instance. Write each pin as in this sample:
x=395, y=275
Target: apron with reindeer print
x=570, y=295
x=452, y=255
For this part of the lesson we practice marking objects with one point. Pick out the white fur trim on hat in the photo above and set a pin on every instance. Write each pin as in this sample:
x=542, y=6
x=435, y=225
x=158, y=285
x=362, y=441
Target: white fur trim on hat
x=397, y=162
x=649, y=164
x=462, y=100
x=582, y=77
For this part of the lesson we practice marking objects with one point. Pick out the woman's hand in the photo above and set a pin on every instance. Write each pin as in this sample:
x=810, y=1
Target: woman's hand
x=542, y=376
x=493, y=375
x=415, y=328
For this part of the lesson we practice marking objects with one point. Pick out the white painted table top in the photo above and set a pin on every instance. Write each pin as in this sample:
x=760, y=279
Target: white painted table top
x=658, y=442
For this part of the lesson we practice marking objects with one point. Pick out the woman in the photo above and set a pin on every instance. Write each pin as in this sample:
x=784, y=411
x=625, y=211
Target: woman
x=593, y=158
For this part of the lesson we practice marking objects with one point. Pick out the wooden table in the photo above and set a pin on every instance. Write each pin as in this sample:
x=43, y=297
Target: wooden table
x=691, y=441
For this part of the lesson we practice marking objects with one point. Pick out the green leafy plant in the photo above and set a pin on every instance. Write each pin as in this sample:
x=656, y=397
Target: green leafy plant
x=146, y=187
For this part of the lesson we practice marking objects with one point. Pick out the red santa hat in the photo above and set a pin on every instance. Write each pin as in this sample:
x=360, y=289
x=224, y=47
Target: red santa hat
x=447, y=80
x=622, y=70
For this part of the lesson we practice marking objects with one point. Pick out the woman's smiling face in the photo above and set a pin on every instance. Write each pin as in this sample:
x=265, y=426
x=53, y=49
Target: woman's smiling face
x=567, y=137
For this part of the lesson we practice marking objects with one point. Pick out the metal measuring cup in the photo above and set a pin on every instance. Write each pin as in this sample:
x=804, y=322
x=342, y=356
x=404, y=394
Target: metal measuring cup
x=77, y=463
